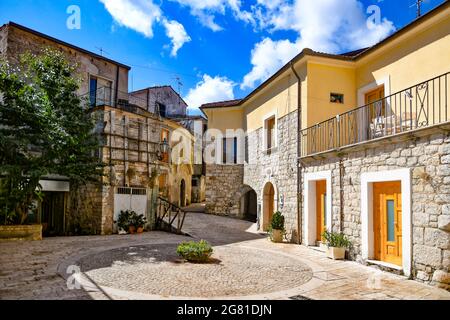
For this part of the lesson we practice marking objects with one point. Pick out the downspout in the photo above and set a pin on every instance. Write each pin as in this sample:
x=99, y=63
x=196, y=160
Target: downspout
x=299, y=163
x=116, y=93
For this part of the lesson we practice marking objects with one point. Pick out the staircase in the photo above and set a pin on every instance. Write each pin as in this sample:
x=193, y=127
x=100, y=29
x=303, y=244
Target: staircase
x=169, y=217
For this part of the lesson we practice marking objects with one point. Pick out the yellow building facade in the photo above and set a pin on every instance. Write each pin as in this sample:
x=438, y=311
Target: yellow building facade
x=356, y=143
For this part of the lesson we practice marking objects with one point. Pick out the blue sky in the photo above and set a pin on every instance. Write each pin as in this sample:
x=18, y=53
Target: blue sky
x=221, y=49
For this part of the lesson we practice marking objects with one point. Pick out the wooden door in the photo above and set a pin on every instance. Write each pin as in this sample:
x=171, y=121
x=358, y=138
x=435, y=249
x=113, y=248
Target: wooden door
x=269, y=205
x=52, y=213
x=321, y=209
x=377, y=110
x=387, y=209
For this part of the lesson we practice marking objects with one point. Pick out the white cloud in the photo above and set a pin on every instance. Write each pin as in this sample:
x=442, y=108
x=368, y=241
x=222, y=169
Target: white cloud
x=139, y=15
x=210, y=89
x=330, y=26
x=267, y=57
x=206, y=11
x=177, y=34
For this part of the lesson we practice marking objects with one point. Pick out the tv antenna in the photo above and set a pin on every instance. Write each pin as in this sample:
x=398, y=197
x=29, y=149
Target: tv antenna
x=418, y=5
x=102, y=52
x=179, y=84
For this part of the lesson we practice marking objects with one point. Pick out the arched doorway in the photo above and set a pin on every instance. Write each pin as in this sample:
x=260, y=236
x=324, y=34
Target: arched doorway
x=249, y=206
x=268, y=205
x=183, y=194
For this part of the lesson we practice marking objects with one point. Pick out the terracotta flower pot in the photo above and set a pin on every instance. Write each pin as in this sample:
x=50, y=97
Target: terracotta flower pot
x=140, y=230
x=131, y=230
x=277, y=236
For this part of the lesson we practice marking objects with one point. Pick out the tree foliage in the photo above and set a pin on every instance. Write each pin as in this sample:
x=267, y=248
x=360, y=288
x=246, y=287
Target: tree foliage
x=45, y=129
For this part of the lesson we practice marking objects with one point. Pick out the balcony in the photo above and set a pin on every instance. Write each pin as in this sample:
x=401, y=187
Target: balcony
x=418, y=107
x=106, y=96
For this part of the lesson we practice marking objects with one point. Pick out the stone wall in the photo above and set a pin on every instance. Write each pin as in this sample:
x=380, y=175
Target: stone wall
x=226, y=184
x=20, y=42
x=278, y=168
x=3, y=41
x=166, y=95
x=126, y=131
x=429, y=160
x=84, y=210
x=223, y=183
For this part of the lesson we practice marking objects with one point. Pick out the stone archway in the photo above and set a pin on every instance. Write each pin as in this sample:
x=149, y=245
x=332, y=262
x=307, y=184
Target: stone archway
x=268, y=205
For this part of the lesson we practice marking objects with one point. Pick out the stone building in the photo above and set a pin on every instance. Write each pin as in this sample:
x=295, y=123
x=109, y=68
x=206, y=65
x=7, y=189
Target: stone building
x=170, y=106
x=356, y=143
x=163, y=100
x=109, y=77
x=197, y=126
x=135, y=145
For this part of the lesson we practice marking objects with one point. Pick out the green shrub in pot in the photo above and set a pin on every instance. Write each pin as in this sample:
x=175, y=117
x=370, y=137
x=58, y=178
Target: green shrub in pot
x=277, y=227
x=337, y=243
x=195, y=251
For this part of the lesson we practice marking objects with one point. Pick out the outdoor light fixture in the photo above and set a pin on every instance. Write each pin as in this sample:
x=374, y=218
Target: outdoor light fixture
x=164, y=146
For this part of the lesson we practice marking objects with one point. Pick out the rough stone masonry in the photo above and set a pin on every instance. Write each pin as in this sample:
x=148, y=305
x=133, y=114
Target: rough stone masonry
x=429, y=160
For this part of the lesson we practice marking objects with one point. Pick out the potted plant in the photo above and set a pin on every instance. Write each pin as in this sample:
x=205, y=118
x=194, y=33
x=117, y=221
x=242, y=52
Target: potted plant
x=277, y=227
x=138, y=221
x=124, y=222
x=337, y=244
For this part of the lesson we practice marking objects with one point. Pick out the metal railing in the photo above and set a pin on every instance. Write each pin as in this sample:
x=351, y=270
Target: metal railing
x=423, y=105
x=169, y=213
x=105, y=96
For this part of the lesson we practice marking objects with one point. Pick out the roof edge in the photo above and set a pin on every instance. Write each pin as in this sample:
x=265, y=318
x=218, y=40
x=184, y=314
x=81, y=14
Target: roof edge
x=343, y=57
x=64, y=43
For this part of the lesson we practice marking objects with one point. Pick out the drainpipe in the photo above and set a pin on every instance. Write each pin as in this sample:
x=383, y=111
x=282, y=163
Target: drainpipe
x=299, y=164
x=116, y=94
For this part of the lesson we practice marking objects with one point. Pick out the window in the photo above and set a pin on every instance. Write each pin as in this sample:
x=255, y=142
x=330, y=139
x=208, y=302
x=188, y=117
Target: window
x=162, y=110
x=165, y=140
x=390, y=210
x=229, y=152
x=270, y=131
x=93, y=91
x=163, y=190
x=337, y=98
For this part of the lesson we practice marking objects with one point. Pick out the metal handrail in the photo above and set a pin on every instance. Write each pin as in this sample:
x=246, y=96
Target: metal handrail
x=106, y=96
x=418, y=106
x=166, y=210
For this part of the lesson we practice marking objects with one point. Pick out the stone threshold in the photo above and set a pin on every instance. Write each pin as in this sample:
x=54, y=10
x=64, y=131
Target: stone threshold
x=386, y=265
x=322, y=249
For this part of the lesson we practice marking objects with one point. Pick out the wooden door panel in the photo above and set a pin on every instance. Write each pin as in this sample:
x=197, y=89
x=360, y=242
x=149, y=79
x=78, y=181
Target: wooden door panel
x=387, y=222
x=321, y=189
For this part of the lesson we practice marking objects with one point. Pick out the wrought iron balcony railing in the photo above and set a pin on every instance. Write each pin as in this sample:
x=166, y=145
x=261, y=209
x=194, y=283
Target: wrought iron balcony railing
x=106, y=96
x=423, y=105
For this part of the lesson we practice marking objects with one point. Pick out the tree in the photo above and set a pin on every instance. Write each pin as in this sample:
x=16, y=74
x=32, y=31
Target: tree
x=45, y=129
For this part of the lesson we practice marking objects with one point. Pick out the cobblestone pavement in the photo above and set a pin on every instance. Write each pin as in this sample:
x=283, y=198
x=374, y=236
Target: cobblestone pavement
x=155, y=269
x=145, y=267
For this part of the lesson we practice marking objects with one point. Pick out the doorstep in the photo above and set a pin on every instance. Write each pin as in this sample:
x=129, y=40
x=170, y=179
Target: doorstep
x=386, y=266
x=321, y=248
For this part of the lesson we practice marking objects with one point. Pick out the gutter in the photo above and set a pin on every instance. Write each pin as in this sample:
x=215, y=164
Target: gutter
x=299, y=163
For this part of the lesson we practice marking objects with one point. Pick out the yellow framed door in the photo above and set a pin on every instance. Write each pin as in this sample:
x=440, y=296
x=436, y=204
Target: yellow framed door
x=321, y=196
x=388, y=222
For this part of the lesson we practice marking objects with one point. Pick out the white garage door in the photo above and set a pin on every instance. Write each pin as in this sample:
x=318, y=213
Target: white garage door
x=134, y=199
